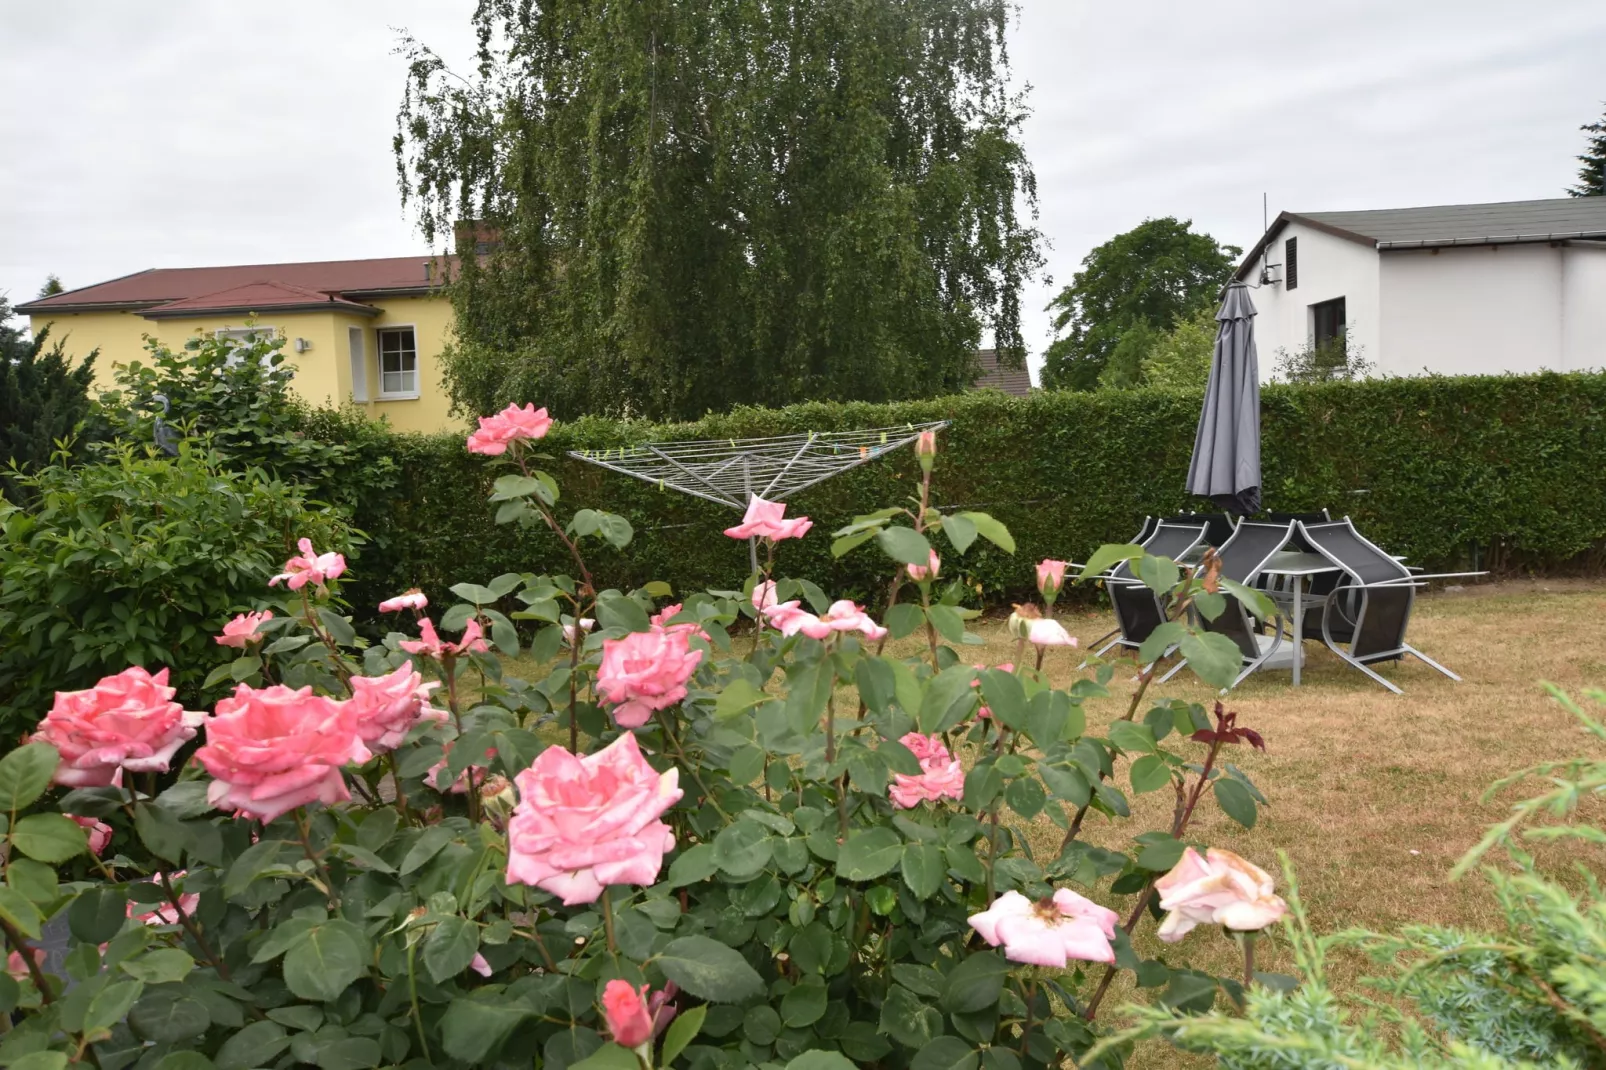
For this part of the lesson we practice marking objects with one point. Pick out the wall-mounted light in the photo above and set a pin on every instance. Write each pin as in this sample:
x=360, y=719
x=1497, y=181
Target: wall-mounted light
x=302, y=345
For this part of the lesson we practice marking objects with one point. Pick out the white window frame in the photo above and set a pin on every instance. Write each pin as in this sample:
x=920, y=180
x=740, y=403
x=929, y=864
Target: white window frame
x=379, y=353
x=357, y=341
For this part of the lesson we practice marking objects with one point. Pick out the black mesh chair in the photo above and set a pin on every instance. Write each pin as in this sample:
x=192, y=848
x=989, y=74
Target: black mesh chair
x=1318, y=586
x=1370, y=609
x=1138, y=610
x=1242, y=558
x=1218, y=526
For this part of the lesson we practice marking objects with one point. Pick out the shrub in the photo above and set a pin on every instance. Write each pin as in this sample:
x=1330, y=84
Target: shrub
x=742, y=832
x=236, y=396
x=1532, y=994
x=44, y=402
x=135, y=561
x=1502, y=472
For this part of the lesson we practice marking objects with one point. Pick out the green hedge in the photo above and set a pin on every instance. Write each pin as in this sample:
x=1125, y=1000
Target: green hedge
x=1507, y=471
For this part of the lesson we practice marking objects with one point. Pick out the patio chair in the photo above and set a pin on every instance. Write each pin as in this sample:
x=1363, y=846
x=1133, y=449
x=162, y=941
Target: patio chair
x=1242, y=558
x=1218, y=526
x=1138, y=610
x=1370, y=609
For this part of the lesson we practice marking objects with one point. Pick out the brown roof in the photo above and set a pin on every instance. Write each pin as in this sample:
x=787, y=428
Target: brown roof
x=255, y=286
x=1015, y=381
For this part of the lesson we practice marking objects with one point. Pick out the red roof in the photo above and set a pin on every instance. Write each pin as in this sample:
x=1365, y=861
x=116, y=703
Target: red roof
x=248, y=287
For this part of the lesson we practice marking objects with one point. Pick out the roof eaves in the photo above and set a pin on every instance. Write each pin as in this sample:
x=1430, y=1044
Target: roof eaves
x=1494, y=239
x=373, y=293
x=39, y=308
x=347, y=307
x=41, y=303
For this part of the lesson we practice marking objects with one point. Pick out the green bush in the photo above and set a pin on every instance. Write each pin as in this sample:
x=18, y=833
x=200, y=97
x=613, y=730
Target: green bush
x=1503, y=472
x=136, y=561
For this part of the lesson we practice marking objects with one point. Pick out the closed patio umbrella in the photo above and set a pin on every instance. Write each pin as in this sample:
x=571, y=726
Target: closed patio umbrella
x=1226, y=450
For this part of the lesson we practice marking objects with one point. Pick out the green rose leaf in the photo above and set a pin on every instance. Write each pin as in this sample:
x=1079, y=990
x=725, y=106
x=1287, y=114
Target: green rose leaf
x=990, y=529
x=905, y=545
x=608, y=1057
x=975, y=984
x=163, y=1014
x=945, y=1053
x=923, y=868
x=50, y=837
x=257, y=1044
x=709, y=970
x=25, y=774
x=159, y=966
x=1214, y=658
x=18, y=910
x=472, y=1028
x=1150, y=773
x=450, y=946
x=809, y=1060
x=868, y=853
x=326, y=961
x=1236, y=801
x=682, y=1031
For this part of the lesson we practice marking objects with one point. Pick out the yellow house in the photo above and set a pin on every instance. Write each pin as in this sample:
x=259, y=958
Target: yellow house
x=363, y=331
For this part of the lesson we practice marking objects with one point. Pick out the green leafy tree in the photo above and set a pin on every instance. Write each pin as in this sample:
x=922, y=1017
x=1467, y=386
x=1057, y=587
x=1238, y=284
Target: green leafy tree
x=1337, y=358
x=52, y=287
x=1157, y=273
x=44, y=401
x=1180, y=359
x=1592, y=173
x=683, y=207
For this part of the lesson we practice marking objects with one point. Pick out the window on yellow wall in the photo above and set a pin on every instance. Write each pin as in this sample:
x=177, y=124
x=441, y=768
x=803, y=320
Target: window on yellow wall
x=398, y=364
x=244, y=337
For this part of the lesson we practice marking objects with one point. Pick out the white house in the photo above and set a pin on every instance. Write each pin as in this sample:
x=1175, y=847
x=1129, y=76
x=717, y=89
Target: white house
x=1460, y=289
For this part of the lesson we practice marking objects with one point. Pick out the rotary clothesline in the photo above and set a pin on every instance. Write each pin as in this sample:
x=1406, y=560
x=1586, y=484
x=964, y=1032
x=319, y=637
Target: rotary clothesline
x=728, y=471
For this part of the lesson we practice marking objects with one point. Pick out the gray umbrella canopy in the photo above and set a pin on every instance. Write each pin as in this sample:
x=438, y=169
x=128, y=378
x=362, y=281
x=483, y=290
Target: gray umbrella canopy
x=1226, y=450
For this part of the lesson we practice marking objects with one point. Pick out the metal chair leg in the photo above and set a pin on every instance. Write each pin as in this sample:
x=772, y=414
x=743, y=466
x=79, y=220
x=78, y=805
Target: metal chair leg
x=1423, y=657
x=1174, y=670
x=1366, y=669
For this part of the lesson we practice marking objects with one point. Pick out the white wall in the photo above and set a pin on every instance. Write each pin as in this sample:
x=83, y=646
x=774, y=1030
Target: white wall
x=1329, y=267
x=1475, y=310
x=1583, y=307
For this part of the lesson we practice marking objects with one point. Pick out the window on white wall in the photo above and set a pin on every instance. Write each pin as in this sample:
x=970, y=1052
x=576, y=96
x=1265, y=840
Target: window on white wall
x=359, y=364
x=1327, y=320
x=398, y=364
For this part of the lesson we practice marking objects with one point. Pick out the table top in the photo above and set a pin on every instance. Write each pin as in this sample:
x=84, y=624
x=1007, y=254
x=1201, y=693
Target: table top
x=1296, y=563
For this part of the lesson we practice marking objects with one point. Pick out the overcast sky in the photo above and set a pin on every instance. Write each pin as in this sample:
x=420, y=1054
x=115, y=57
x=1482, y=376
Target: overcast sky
x=189, y=132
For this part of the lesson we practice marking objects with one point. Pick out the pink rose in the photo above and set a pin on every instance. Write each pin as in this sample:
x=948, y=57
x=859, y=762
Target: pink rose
x=941, y=775
x=843, y=616
x=309, y=566
x=387, y=707
x=767, y=520
x=127, y=721
x=625, y=1009
x=273, y=749
x=584, y=823
x=512, y=424
x=763, y=596
x=1050, y=933
x=1219, y=889
x=413, y=599
x=927, y=572
x=1045, y=632
x=479, y=965
x=646, y=671
x=662, y=618
x=1050, y=578
x=99, y=833
x=430, y=644
x=242, y=630
x=165, y=914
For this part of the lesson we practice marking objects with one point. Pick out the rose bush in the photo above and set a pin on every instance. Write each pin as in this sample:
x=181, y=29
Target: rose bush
x=739, y=828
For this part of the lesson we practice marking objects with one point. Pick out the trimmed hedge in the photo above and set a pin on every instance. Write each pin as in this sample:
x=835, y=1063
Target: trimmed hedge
x=1507, y=472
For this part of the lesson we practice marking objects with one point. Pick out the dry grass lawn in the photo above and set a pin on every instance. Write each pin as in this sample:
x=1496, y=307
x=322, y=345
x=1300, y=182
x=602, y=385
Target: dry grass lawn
x=1375, y=796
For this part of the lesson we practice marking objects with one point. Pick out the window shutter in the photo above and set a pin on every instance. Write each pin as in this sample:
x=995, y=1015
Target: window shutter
x=1291, y=262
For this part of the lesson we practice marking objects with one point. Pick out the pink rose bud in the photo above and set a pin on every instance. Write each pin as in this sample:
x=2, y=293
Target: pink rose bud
x=625, y=1009
x=242, y=630
x=127, y=721
x=1054, y=932
x=768, y=520
x=583, y=823
x=511, y=426
x=1218, y=889
x=309, y=566
x=99, y=833
x=927, y=572
x=926, y=449
x=1050, y=578
x=17, y=966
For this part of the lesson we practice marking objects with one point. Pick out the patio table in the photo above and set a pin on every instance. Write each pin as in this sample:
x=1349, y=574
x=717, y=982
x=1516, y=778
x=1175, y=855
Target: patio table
x=1297, y=566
